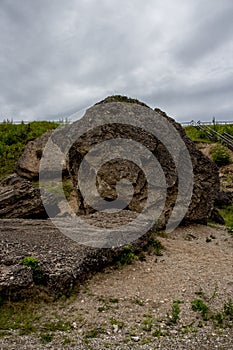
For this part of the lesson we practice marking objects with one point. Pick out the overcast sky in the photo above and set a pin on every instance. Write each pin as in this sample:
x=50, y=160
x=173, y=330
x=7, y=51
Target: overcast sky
x=58, y=57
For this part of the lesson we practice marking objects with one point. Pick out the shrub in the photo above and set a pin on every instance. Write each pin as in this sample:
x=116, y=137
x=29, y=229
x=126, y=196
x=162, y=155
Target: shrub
x=155, y=246
x=175, y=316
x=199, y=305
x=228, y=309
x=126, y=257
x=34, y=265
x=221, y=155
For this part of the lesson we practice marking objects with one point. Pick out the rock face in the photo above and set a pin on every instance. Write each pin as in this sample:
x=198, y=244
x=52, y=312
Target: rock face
x=19, y=199
x=29, y=163
x=62, y=262
x=205, y=173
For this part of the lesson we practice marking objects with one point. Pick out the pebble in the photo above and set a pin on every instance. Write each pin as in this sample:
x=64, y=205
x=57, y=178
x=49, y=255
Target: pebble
x=115, y=328
x=136, y=339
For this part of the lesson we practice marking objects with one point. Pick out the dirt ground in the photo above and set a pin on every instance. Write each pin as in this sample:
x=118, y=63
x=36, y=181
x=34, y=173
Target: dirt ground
x=133, y=307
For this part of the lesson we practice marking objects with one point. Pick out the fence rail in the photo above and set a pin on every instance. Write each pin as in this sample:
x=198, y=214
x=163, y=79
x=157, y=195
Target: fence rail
x=190, y=123
x=225, y=138
x=220, y=122
x=31, y=121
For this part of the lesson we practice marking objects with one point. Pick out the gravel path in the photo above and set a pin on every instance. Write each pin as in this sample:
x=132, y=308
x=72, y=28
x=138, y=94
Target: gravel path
x=148, y=304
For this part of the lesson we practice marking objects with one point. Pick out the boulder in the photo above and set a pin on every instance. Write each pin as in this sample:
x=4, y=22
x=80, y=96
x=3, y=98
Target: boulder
x=205, y=173
x=217, y=217
x=224, y=198
x=19, y=199
x=29, y=162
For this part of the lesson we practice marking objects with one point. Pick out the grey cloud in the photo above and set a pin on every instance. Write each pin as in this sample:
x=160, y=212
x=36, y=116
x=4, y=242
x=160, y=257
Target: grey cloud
x=211, y=29
x=59, y=57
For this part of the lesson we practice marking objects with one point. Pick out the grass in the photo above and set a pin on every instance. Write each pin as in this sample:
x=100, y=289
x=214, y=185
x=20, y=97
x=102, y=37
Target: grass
x=57, y=188
x=155, y=246
x=147, y=323
x=46, y=338
x=47, y=322
x=57, y=325
x=13, y=139
x=94, y=333
x=19, y=316
x=36, y=270
x=219, y=318
x=120, y=98
x=202, y=308
x=28, y=317
x=196, y=135
x=221, y=155
x=120, y=324
x=200, y=136
x=126, y=257
x=107, y=304
x=227, y=214
x=175, y=314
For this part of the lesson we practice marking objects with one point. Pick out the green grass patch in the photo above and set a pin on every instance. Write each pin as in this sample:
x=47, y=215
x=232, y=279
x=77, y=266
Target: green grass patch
x=46, y=338
x=13, y=139
x=202, y=308
x=94, y=333
x=34, y=265
x=200, y=136
x=221, y=155
x=19, y=316
x=196, y=135
x=174, y=317
x=155, y=246
x=57, y=325
x=126, y=257
x=227, y=214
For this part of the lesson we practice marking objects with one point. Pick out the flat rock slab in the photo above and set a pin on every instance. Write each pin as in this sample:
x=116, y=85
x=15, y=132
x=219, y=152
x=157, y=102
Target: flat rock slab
x=63, y=262
x=19, y=199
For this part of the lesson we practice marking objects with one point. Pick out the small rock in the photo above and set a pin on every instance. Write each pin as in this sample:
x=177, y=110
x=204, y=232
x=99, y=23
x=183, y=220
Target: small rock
x=136, y=339
x=115, y=328
x=208, y=240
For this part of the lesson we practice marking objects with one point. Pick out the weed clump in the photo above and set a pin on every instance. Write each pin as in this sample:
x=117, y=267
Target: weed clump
x=126, y=257
x=220, y=155
x=199, y=305
x=175, y=315
x=36, y=270
x=155, y=246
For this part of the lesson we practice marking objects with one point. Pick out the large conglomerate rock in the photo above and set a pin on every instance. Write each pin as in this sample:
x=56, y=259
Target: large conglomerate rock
x=205, y=173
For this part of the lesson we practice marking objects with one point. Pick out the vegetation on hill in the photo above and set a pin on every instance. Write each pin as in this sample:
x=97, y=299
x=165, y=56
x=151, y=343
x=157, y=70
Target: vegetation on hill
x=200, y=135
x=120, y=98
x=221, y=155
x=13, y=139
